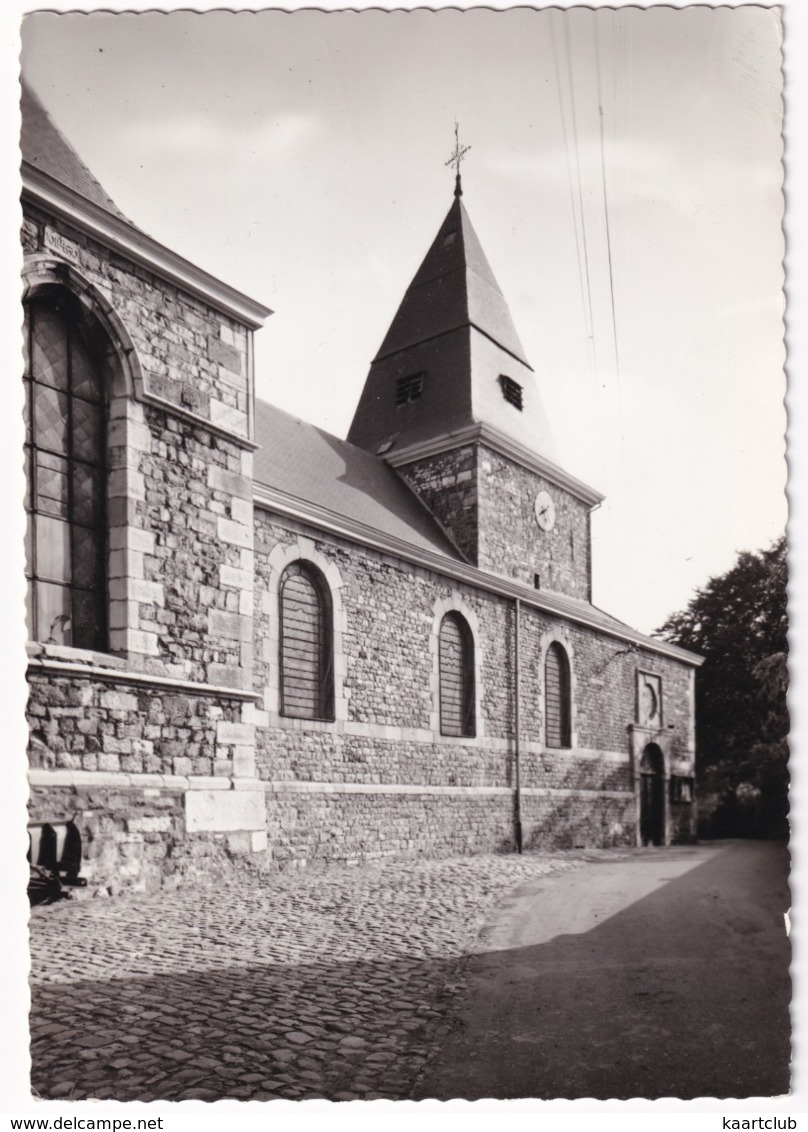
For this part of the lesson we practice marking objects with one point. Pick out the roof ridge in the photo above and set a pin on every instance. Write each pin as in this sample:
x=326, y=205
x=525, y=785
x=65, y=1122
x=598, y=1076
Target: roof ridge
x=313, y=465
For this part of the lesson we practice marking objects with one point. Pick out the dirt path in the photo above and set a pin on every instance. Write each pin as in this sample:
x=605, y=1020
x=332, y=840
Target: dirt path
x=663, y=973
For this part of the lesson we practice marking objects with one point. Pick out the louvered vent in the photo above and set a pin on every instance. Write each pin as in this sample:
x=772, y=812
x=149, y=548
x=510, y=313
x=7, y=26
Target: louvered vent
x=557, y=697
x=409, y=388
x=511, y=391
x=456, y=654
x=306, y=645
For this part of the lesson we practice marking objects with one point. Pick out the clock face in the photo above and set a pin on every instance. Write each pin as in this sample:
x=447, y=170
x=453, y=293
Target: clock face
x=545, y=511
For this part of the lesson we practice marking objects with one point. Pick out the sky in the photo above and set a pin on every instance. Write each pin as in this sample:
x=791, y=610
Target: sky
x=624, y=178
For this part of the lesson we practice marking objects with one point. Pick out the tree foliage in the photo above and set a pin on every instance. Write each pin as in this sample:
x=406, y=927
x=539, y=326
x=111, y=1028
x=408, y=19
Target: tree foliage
x=738, y=622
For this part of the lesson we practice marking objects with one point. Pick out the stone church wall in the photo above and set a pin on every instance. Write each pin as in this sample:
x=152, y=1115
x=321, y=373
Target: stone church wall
x=179, y=492
x=89, y=724
x=485, y=501
x=327, y=826
x=170, y=749
x=121, y=755
x=192, y=357
x=197, y=505
x=511, y=542
x=447, y=483
x=380, y=779
x=149, y=743
x=134, y=837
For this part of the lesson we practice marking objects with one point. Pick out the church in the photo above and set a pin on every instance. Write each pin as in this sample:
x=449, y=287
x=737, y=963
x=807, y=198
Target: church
x=252, y=640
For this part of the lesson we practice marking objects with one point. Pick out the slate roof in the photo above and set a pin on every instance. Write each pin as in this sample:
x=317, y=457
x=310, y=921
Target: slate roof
x=453, y=287
x=322, y=473
x=44, y=147
x=312, y=466
x=454, y=327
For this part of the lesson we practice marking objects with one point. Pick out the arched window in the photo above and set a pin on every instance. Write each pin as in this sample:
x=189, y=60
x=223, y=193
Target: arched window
x=65, y=474
x=557, y=697
x=456, y=669
x=306, y=644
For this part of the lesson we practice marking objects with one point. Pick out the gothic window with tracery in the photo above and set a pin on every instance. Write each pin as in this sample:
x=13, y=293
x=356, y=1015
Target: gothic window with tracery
x=65, y=454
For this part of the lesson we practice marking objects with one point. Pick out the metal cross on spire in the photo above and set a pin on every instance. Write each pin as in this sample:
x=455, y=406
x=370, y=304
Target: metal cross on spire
x=460, y=152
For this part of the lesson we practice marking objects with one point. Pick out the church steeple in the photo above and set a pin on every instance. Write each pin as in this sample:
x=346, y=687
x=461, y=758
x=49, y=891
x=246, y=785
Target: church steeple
x=452, y=357
x=453, y=404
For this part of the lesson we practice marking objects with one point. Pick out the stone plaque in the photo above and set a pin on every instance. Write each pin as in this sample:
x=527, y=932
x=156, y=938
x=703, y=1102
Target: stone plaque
x=649, y=700
x=60, y=246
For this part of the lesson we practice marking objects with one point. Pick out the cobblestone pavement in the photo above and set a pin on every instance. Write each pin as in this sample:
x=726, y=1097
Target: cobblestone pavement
x=297, y=985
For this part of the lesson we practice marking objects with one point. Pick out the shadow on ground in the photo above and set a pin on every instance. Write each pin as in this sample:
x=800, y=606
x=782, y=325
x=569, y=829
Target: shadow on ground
x=682, y=993
x=252, y=1032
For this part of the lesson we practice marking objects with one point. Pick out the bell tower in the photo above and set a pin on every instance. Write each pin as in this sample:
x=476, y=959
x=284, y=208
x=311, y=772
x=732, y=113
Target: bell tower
x=453, y=404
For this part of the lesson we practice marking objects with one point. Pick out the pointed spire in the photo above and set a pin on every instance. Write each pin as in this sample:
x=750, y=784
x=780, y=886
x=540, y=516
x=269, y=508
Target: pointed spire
x=453, y=287
x=451, y=344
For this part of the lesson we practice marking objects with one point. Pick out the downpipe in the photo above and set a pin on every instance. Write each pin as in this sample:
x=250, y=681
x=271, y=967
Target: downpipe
x=517, y=801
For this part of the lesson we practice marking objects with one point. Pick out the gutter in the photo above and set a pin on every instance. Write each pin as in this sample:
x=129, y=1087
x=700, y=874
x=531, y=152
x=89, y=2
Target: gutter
x=284, y=504
x=503, y=444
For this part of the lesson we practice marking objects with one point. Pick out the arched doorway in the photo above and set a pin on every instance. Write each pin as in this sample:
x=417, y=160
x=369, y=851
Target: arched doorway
x=652, y=796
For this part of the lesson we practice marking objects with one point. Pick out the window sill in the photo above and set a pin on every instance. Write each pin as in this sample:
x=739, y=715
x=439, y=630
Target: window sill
x=76, y=656
x=456, y=740
x=89, y=665
x=298, y=723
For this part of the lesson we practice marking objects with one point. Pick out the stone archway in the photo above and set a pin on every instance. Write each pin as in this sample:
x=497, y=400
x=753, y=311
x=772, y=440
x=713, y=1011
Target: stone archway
x=652, y=796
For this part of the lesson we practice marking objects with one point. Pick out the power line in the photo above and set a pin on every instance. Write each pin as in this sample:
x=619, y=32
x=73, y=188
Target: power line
x=606, y=204
x=580, y=186
x=606, y=215
x=585, y=289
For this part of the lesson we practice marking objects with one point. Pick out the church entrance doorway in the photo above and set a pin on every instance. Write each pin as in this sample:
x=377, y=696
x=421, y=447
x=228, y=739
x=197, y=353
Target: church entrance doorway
x=652, y=796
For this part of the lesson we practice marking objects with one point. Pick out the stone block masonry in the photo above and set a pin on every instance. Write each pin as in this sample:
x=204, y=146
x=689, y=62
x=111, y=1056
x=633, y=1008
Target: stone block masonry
x=333, y=827
x=146, y=740
x=448, y=485
x=179, y=459
x=160, y=779
x=194, y=484
x=193, y=358
x=510, y=540
x=328, y=825
x=578, y=820
x=382, y=781
x=134, y=838
x=485, y=502
x=89, y=725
